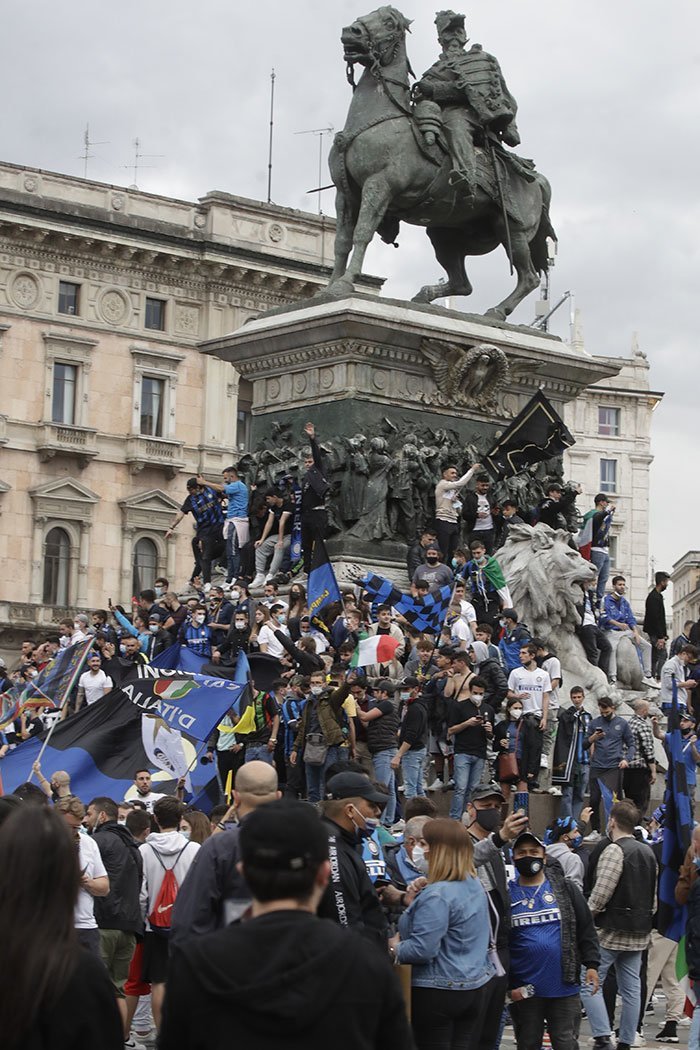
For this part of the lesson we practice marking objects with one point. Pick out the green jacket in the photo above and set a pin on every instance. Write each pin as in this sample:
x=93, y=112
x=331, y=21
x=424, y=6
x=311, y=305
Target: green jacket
x=330, y=705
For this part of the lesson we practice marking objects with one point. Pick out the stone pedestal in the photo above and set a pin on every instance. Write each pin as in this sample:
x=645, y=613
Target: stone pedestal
x=417, y=377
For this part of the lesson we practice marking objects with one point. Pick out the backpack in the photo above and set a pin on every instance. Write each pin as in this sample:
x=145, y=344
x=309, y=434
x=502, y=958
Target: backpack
x=161, y=915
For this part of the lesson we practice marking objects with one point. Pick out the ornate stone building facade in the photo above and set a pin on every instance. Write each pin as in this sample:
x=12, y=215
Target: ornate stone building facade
x=685, y=578
x=611, y=422
x=106, y=404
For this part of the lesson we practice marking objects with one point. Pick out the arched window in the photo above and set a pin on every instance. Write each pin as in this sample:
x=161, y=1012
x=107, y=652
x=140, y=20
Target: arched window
x=56, y=567
x=145, y=565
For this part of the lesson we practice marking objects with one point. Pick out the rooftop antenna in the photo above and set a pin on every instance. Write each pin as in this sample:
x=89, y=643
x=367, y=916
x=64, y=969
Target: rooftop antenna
x=320, y=132
x=138, y=157
x=86, y=155
x=269, y=148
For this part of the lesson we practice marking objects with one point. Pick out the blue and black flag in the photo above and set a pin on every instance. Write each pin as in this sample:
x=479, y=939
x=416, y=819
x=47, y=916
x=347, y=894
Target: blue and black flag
x=537, y=433
x=424, y=614
x=323, y=587
x=678, y=827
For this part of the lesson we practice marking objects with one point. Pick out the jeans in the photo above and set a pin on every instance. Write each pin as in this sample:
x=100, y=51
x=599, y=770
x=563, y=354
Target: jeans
x=269, y=548
x=233, y=556
x=602, y=563
x=694, y=1033
x=627, y=969
x=467, y=774
x=259, y=753
x=560, y=1014
x=316, y=775
x=412, y=769
x=573, y=793
x=385, y=774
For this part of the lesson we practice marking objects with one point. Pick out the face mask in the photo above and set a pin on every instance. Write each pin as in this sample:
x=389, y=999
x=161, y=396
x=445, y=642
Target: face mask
x=405, y=696
x=477, y=699
x=420, y=861
x=529, y=866
x=160, y=591
x=281, y=618
x=516, y=713
x=122, y=650
x=199, y=619
x=185, y=834
x=240, y=625
x=488, y=819
x=367, y=828
x=432, y=561
x=235, y=595
x=122, y=823
x=316, y=690
x=77, y=626
x=502, y=623
x=153, y=628
x=575, y=841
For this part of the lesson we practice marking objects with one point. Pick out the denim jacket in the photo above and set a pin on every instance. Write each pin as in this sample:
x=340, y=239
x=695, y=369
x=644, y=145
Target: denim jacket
x=445, y=936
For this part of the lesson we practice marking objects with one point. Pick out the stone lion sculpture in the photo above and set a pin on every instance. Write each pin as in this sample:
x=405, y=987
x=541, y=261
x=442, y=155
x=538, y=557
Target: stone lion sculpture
x=544, y=575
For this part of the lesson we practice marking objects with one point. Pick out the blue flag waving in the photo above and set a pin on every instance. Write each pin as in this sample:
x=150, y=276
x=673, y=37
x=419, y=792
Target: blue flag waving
x=101, y=746
x=424, y=614
x=678, y=826
x=323, y=587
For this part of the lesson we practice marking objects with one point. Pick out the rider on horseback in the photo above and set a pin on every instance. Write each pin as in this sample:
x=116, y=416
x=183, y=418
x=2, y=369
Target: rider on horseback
x=472, y=95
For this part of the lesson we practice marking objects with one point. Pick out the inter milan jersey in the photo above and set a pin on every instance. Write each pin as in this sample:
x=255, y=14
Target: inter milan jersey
x=535, y=941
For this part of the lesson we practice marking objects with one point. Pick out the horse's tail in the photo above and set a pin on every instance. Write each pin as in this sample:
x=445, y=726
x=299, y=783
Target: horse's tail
x=545, y=230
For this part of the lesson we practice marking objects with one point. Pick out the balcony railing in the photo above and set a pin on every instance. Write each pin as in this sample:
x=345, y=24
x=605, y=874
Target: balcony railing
x=67, y=440
x=162, y=453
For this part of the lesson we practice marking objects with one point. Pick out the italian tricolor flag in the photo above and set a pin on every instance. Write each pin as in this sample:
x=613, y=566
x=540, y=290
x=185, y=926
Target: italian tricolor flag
x=379, y=649
x=584, y=540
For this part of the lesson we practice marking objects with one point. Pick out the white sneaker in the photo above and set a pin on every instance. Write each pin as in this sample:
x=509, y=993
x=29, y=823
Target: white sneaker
x=435, y=786
x=259, y=581
x=206, y=588
x=555, y=791
x=651, y=683
x=131, y=1044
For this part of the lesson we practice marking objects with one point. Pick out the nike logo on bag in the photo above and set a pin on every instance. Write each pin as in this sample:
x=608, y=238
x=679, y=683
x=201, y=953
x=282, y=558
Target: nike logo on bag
x=164, y=907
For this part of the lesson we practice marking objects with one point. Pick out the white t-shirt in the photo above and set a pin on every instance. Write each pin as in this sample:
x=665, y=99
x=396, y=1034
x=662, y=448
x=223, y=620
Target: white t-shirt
x=148, y=800
x=468, y=613
x=484, y=519
x=534, y=683
x=90, y=865
x=95, y=685
x=461, y=632
x=266, y=636
x=553, y=668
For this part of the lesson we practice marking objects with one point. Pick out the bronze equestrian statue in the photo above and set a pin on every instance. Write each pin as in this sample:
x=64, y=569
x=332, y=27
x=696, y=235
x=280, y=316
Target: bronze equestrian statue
x=434, y=157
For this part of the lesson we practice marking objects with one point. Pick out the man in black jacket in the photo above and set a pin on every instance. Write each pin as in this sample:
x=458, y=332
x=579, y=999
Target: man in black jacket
x=351, y=813
x=481, y=517
x=413, y=739
x=213, y=893
x=314, y=488
x=284, y=977
x=655, y=622
x=118, y=915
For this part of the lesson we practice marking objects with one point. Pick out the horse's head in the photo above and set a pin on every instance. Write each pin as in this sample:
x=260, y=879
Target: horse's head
x=374, y=39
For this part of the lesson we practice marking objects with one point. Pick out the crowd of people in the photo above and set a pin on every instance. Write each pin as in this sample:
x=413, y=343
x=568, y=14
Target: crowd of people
x=325, y=899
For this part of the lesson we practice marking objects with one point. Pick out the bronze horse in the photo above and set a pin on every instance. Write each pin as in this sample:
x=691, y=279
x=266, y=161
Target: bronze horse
x=384, y=175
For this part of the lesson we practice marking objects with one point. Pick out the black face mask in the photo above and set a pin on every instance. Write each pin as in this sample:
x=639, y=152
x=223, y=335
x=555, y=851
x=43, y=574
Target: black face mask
x=488, y=819
x=529, y=866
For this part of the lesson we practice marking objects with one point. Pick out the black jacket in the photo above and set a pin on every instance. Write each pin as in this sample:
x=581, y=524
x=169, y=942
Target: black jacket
x=470, y=504
x=415, y=558
x=314, y=486
x=496, y=682
x=234, y=642
x=350, y=899
x=120, y=909
x=414, y=728
x=287, y=979
x=692, y=932
x=213, y=893
x=655, y=615
x=305, y=663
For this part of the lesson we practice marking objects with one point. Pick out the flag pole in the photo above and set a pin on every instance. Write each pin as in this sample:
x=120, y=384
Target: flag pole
x=61, y=709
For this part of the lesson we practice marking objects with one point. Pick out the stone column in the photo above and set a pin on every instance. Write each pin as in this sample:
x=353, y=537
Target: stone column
x=126, y=572
x=83, y=562
x=36, y=582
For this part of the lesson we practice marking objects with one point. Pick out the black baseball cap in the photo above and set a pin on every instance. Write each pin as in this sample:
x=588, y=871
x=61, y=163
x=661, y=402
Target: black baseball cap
x=486, y=791
x=355, y=785
x=527, y=836
x=284, y=835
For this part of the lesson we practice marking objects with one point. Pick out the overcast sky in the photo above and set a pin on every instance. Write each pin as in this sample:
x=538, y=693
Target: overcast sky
x=609, y=108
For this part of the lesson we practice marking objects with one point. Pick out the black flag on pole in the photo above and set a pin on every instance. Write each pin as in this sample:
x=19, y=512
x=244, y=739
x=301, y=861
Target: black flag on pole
x=537, y=433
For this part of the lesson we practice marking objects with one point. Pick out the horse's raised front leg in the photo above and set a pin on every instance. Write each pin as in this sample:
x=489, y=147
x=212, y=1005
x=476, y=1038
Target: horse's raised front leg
x=376, y=195
x=449, y=252
x=527, y=278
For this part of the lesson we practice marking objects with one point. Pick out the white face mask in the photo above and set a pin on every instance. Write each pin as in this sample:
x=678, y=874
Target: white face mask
x=477, y=699
x=516, y=712
x=235, y=595
x=185, y=832
x=316, y=690
x=240, y=625
x=77, y=626
x=160, y=591
x=198, y=618
x=420, y=860
x=154, y=628
x=122, y=822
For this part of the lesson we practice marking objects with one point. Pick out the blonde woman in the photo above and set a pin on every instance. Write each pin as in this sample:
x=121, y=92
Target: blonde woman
x=444, y=935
